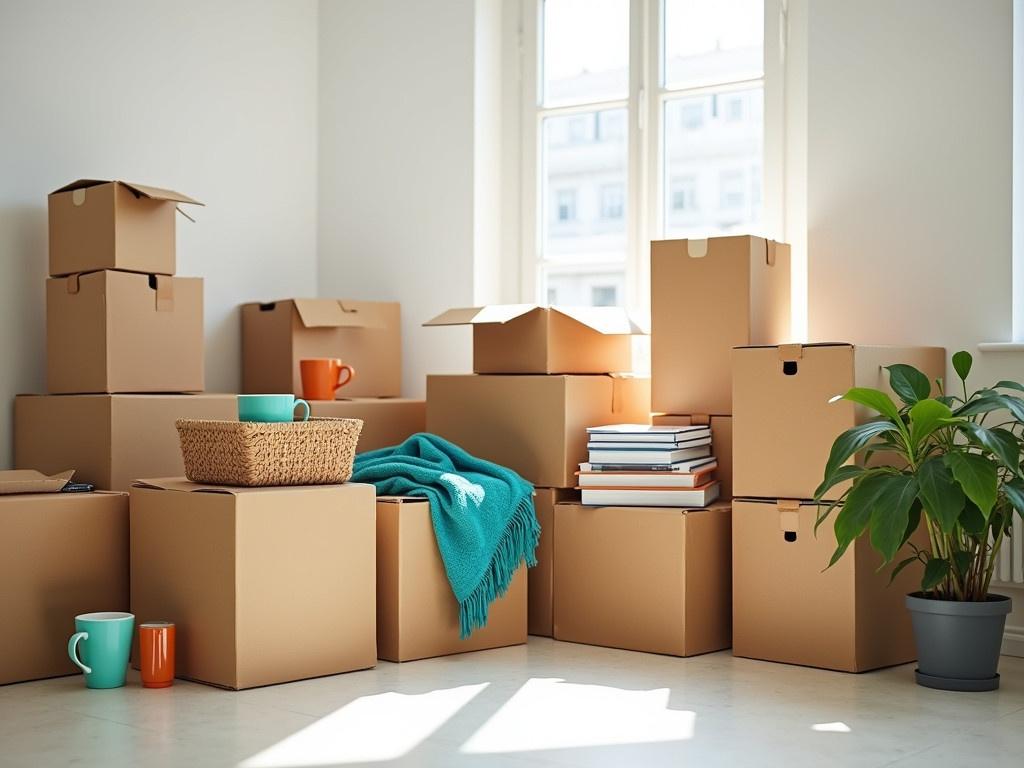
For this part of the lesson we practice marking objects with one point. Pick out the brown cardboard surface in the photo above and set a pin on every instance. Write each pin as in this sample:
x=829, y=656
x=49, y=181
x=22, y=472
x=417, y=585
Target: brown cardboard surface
x=784, y=423
x=387, y=421
x=417, y=614
x=643, y=578
x=113, y=225
x=364, y=334
x=31, y=481
x=536, y=425
x=708, y=296
x=265, y=585
x=112, y=331
x=787, y=608
x=61, y=554
x=721, y=443
x=541, y=576
x=525, y=338
x=109, y=440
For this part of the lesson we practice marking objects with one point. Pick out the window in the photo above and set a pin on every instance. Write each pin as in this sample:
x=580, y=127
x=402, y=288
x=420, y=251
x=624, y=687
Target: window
x=684, y=194
x=566, y=205
x=612, y=201
x=603, y=296
x=731, y=190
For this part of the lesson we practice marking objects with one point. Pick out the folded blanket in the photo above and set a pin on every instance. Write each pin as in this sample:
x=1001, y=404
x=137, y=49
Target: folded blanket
x=483, y=515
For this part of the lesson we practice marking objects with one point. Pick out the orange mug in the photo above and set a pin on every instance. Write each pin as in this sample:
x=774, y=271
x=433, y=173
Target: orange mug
x=156, y=654
x=321, y=376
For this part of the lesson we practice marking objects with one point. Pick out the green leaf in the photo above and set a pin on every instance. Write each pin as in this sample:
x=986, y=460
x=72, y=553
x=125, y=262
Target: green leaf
x=842, y=473
x=913, y=519
x=925, y=417
x=1000, y=442
x=900, y=566
x=875, y=400
x=1007, y=384
x=890, y=513
x=977, y=476
x=991, y=402
x=971, y=519
x=1014, y=491
x=909, y=383
x=941, y=495
x=934, y=572
x=963, y=560
x=856, y=512
x=845, y=446
x=962, y=362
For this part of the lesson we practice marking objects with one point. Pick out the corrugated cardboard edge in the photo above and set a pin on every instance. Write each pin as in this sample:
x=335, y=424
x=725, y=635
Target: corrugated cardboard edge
x=15, y=481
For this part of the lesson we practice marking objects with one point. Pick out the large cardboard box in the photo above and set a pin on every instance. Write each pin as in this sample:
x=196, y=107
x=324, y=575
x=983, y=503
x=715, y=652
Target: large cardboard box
x=113, y=225
x=265, y=585
x=525, y=338
x=109, y=440
x=387, y=421
x=536, y=425
x=721, y=443
x=541, y=576
x=61, y=554
x=785, y=423
x=365, y=334
x=417, y=614
x=788, y=608
x=112, y=331
x=652, y=579
x=708, y=296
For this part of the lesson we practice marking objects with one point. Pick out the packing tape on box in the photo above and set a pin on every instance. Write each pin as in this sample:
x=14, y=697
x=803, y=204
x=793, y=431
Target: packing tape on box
x=769, y=252
x=164, y=293
x=697, y=249
x=789, y=353
x=789, y=515
x=72, y=284
x=78, y=197
x=700, y=419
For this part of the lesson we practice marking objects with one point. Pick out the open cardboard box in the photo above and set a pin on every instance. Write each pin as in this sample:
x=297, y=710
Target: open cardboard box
x=541, y=576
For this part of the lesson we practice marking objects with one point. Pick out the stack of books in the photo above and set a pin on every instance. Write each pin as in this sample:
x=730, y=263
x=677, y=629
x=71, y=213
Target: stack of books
x=644, y=466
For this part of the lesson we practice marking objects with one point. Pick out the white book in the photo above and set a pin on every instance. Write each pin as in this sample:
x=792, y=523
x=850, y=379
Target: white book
x=644, y=433
x=648, y=457
x=688, y=465
x=592, y=479
x=650, y=497
x=608, y=446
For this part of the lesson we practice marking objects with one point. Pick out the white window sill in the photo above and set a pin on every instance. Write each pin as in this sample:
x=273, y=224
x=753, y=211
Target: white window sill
x=1001, y=346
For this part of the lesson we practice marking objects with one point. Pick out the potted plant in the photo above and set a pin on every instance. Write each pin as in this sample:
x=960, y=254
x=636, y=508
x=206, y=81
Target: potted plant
x=933, y=461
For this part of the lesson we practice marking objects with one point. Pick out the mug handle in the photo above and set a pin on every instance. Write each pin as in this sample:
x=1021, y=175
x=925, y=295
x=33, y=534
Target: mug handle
x=73, y=650
x=351, y=375
x=304, y=404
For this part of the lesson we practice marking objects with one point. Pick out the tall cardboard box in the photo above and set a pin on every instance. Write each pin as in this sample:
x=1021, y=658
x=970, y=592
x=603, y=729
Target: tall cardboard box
x=387, y=421
x=721, y=443
x=787, y=608
x=109, y=440
x=417, y=614
x=708, y=296
x=265, y=585
x=535, y=425
x=61, y=554
x=525, y=338
x=652, y=579
x=364, y=334
x=541, y=576
x=112, y=331
x=113, y=225
x=785, y=423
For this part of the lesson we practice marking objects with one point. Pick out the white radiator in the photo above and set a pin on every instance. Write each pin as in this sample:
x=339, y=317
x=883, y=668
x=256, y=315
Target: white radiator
x=1011, y=556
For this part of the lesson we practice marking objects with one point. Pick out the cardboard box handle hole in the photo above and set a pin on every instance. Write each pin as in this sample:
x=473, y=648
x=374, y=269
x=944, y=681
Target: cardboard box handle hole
x=789, y=536
x=268, y=307
x=789, y=367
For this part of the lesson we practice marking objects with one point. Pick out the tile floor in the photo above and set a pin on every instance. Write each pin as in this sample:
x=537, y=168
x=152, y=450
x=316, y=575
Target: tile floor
x=544, y=704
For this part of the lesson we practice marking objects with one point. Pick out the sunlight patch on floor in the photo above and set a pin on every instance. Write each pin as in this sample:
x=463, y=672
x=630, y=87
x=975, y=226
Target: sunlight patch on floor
x=836, y=727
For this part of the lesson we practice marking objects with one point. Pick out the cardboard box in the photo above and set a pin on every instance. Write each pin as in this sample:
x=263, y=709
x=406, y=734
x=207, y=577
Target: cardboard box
x=387, y=421
x=541, y=576
x=113, y=225
x=652, y=579
x=708, y=296
x=114, y=331
x=536, y=425
x=61, y=554
x=785, y=424
x=787, y=608
x=417, y=614
x=265, y=585
x=525, y=338
x=109, y=440
x=721, y=443
x=365, y=334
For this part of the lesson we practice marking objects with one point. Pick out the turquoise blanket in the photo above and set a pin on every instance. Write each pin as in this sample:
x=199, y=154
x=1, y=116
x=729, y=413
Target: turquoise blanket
x=483, y=515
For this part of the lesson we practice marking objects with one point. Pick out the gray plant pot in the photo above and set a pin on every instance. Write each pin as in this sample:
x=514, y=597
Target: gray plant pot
x=958, y=642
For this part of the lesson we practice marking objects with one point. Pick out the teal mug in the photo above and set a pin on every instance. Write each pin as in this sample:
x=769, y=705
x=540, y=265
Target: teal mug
x=101, y=646
x=270, y=408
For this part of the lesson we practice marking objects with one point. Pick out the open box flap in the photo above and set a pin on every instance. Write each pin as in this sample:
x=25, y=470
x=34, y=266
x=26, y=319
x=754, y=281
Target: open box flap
x=154, y=193
x=333, y=313
x=491, y=313
x=606, y=320
x=187, y=486
x=32, y=481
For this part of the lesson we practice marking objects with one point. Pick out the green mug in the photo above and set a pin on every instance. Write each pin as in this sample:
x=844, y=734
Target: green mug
x=270, y=408
x=104, y=641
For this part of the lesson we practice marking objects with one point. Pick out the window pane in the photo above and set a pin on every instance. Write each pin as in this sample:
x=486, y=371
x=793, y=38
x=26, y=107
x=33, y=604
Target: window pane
x=713, y=157
x=713, y=41
x=586, y=51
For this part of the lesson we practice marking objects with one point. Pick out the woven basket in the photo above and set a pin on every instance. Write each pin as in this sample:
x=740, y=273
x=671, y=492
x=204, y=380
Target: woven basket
x=315, y=452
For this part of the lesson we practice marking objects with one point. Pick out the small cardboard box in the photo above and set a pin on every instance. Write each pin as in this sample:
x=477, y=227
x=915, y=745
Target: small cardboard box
x=113, y=225
x=708, y=296
x=785, y=423
x=112, y=331
x=61, y=554
x=787, y=608
x=535, y=425
x=109, y=440
x=417, y=614
x=265, y=585
x=721, y=443
x=652, y=579
x=525, y=338
x=364, y=334
x=541, y=581
x=387, y=421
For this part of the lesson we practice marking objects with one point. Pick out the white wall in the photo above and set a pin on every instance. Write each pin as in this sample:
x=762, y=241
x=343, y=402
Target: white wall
x=215, y=99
